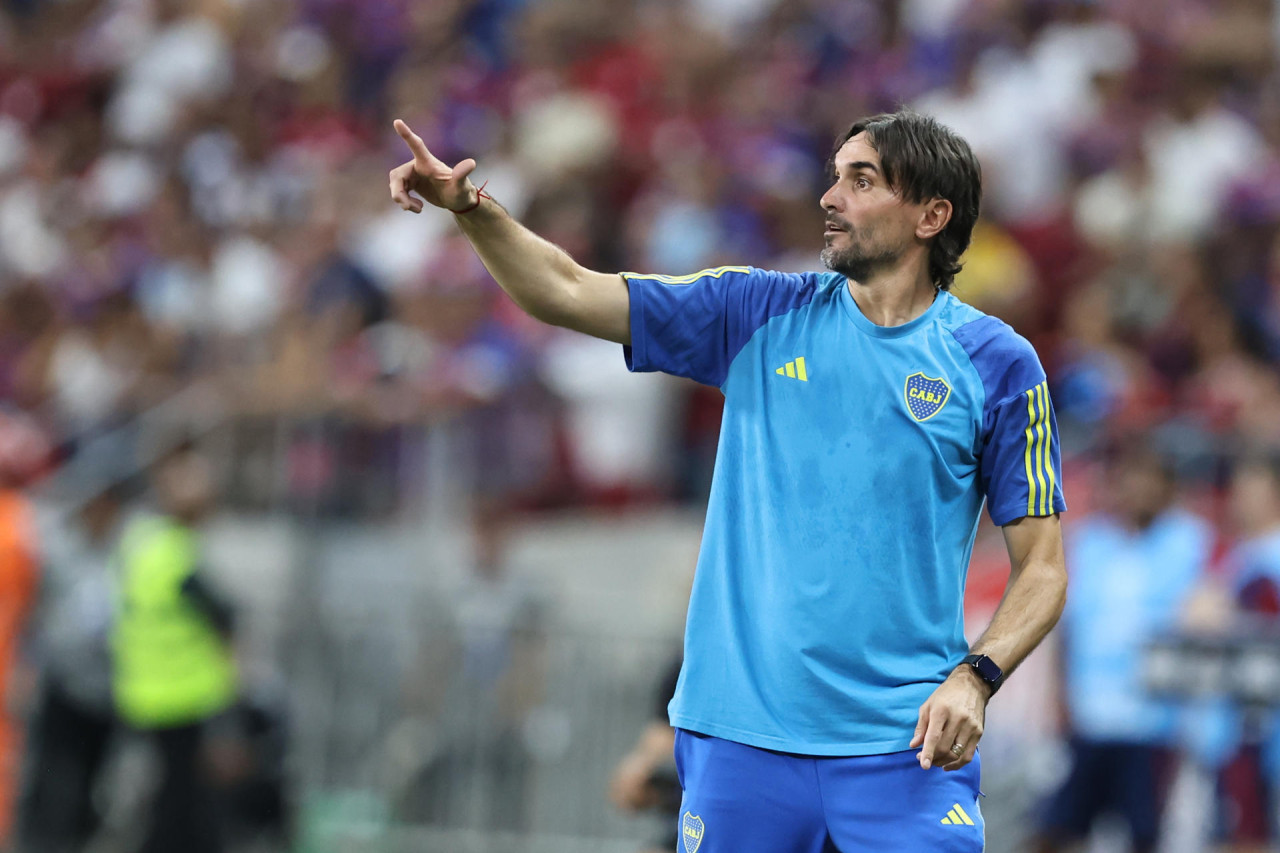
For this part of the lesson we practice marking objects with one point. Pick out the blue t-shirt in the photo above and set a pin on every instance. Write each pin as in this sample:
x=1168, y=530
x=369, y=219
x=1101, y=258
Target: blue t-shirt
x=1127, y=587
x=852, y=465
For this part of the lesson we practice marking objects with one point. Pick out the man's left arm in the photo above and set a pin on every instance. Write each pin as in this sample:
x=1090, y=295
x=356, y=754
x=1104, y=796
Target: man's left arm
x=952, y=719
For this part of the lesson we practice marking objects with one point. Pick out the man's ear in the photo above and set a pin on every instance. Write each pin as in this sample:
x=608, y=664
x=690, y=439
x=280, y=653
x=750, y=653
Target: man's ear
x=934, y=218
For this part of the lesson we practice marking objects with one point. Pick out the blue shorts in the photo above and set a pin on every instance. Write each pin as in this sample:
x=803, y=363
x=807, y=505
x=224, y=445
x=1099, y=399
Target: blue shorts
x=740, y=799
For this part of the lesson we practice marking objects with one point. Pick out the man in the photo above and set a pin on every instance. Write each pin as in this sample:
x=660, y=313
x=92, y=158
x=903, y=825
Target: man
x=172, y=654
x=645, y=778
x=75, y=719
x=868, y=412
x=1134, y=566
x=1245, y=748
x=23, y=452
x=462, y=750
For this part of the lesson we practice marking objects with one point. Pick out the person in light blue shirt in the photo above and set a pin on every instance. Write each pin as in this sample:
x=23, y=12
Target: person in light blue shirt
x=868, y=415
x=1241, y=743
x=1134, y=566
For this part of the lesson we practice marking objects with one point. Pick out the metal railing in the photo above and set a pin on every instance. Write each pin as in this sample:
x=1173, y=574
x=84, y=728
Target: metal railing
x=402, y=734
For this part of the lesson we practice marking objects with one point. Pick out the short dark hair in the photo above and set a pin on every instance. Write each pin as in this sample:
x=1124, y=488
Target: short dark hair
x=1264, y=459
x=923, y=159
x=1143, y=449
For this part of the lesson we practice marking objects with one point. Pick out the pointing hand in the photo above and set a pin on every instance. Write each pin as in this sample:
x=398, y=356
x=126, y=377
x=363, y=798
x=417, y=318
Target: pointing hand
x=430, y=178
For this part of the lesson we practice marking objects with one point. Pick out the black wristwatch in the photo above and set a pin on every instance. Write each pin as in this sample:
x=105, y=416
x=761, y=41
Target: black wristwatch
x=987, y=670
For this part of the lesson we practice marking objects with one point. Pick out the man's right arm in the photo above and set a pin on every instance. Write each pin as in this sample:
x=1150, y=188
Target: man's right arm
x=543, y=280
x=539, y=276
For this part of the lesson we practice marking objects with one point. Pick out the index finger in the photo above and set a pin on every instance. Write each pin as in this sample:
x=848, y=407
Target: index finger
x=931, y=737
x=415, y=143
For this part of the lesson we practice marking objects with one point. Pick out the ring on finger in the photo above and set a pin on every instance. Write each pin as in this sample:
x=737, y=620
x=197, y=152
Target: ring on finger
x=957, y=749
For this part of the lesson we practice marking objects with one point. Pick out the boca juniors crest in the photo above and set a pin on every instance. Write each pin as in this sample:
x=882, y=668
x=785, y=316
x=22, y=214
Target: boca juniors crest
x=691, y=829
x=925, y=396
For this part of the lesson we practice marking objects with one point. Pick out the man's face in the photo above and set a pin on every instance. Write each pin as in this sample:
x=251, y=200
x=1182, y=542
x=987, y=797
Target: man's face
x=869, y=226
x=1253, y=499
x=1140, y=490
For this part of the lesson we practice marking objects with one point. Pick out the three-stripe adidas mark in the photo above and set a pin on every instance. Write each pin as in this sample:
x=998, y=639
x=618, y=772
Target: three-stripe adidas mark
x=957, y=817
x=794, y=369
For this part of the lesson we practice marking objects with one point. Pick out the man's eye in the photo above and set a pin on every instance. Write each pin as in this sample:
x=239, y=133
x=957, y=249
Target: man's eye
x=862, y=183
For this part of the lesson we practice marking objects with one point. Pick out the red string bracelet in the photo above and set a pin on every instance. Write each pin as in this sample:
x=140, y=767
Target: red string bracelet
x=481, y=195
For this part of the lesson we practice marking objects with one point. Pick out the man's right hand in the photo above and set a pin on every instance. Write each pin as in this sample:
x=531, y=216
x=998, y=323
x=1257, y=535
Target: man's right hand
x=430, y=178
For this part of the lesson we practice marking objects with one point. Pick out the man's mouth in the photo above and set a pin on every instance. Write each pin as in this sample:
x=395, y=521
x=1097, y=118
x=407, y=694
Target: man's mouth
x=833, y=228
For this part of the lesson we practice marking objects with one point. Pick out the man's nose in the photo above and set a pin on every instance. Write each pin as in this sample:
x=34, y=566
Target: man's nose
x=828, y=202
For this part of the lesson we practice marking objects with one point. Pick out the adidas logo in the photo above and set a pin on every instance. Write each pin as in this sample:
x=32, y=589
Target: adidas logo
x=794, y=370
x=957, y=817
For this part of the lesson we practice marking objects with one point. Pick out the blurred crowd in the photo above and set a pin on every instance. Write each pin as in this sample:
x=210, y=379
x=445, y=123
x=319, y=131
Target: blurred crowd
x=196, y=191
x=192, y=192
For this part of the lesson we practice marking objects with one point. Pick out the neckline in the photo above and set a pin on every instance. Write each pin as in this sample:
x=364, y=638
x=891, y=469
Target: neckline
x=861, y=322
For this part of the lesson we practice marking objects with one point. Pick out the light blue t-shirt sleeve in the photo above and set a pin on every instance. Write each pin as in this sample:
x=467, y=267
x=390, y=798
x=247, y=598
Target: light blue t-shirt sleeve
x=694, y=325
x=1020, y=453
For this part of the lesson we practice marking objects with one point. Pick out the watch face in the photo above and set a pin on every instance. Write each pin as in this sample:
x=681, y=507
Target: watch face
x=987, y=668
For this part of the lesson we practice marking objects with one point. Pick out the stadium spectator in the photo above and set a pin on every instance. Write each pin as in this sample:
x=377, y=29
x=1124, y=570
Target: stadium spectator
x=1083, y=113
x=1133, y=565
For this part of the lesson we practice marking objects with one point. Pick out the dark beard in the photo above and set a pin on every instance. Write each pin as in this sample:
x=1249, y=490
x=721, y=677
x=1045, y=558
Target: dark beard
x=854, y=264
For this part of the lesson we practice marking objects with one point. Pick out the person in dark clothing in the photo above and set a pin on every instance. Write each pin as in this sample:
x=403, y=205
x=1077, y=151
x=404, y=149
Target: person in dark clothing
x=645, y=779
x=74, y=720
x=247, y=749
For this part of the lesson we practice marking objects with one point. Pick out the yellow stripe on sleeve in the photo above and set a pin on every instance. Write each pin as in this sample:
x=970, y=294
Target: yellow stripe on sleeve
x=1048, y=452
x=1040, y=441
x=714, y=272
x=1031, y=482
x=1040, y=448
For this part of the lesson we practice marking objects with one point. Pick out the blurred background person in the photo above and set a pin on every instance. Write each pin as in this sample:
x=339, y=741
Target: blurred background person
x=74, y=716
x=173, y=665
x=646, y=779
x=491, y=683
x=247, y=751
x=1133, y=566
x=23, y=452
x=1242, y=743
